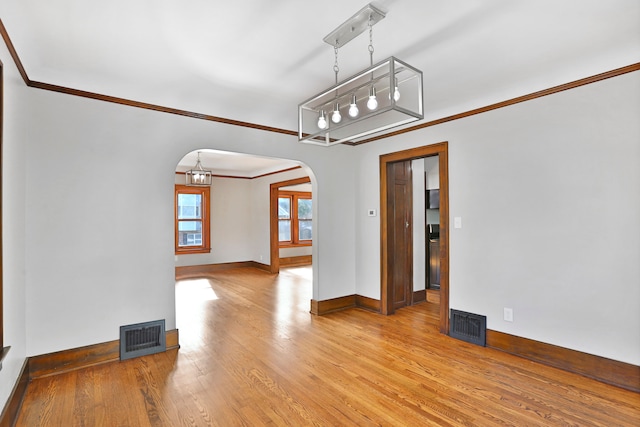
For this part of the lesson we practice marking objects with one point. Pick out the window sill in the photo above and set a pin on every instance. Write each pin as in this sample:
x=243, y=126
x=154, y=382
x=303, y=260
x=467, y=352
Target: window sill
x=193, y=251
x=295, y=245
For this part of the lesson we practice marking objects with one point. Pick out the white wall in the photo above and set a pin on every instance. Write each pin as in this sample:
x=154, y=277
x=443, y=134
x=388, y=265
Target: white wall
x=89, y=238
x=99, y=214
x=432, y=167
x=100, y=251
x=419, y=229
x=15, y=120
x=296, y=251
x=549, y=195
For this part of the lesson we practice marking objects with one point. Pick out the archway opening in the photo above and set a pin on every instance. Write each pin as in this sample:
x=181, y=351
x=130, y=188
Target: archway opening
x=241, y=214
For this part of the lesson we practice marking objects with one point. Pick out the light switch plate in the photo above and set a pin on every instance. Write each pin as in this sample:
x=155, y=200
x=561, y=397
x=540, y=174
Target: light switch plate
x=371, y=212
x=508, y=314
x=457, y=222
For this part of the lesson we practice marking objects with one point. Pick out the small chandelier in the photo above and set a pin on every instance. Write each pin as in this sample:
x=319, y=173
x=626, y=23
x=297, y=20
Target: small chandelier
x=198, y=177
x=383, y=96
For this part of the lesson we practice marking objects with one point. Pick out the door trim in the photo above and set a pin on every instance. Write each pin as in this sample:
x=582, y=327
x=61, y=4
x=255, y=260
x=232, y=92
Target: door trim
x=274, y=262
x=441, y=150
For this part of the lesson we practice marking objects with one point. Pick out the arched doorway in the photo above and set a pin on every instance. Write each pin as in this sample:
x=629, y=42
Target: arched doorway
x=259, y=179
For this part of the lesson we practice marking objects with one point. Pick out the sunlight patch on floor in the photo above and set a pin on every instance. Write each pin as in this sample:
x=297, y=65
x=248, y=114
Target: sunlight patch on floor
x=193, y=301
x=197, y=290
x=305, y=272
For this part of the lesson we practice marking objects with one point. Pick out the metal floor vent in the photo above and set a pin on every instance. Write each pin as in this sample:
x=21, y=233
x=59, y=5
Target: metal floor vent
x=468, y=327
x=142, y=339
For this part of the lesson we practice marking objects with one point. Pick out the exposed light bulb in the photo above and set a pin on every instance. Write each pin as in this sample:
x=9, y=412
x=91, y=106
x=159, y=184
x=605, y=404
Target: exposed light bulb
x=322, y=120
x=353, y=107
x=372, y=103
x=396, y=92
x=336, y=117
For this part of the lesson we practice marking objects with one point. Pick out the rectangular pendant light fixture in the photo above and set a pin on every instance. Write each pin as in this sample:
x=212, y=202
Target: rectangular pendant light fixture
x=383, y=96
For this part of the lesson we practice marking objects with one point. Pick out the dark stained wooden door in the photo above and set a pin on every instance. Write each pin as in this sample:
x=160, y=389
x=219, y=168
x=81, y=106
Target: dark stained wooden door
x=400, y=233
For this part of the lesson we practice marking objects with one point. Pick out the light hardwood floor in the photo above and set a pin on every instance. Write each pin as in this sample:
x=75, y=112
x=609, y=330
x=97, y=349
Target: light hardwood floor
x=252, y=355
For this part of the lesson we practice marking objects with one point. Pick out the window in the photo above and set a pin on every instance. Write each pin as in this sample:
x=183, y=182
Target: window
x=192, y=220
x=294, y=218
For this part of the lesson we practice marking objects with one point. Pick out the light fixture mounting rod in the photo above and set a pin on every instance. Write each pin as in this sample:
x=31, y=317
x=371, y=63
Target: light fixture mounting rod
x=354, y=26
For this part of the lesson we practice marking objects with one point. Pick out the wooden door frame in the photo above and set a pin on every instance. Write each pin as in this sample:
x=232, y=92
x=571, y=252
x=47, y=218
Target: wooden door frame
x=441, y=150
x=274, y=262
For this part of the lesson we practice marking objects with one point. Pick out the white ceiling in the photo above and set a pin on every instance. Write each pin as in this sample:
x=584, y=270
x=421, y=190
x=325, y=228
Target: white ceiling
x=234, y=164
x=256, y=60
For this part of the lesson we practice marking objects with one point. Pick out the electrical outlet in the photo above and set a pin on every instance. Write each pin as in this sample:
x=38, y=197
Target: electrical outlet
x=508, y=314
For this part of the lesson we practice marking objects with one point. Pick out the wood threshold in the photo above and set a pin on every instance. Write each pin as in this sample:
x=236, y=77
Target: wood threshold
x=433, y=295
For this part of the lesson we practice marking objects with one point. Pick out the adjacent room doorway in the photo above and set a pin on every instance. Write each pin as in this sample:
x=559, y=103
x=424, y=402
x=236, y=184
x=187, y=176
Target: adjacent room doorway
x=396, y=228
x=274, y=243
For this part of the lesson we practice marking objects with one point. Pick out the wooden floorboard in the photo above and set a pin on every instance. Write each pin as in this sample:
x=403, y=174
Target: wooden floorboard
x=252, y=355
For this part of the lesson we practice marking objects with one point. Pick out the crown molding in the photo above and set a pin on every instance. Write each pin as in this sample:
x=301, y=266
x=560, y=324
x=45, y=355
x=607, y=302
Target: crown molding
x=539, y=94
x=250, y=177
x=123, y=101
x=137, y=104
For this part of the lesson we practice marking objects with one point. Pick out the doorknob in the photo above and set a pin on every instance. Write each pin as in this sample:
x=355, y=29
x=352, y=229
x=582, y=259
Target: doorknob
x=406, y=224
